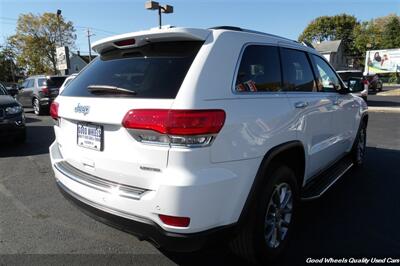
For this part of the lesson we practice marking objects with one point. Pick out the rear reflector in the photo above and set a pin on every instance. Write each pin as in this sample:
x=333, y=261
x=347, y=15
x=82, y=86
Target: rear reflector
x=175, y=122
x=175, y=221
x=54, y=110
x=125, y=42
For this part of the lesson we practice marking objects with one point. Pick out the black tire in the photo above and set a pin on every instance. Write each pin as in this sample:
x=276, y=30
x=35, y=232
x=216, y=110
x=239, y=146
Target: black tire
x=37, y=108
x=251, y=242
x=359, y=147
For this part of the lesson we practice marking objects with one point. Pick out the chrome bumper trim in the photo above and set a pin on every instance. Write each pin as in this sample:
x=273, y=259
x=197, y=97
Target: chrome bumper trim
x=101, y=206
x=98, y=183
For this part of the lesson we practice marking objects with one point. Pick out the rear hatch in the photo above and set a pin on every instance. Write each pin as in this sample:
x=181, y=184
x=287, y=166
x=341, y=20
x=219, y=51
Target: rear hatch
x=92, y=108
x=49, y=86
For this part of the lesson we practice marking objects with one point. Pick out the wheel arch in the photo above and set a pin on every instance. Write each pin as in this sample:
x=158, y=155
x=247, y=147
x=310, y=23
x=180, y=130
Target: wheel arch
x=280, y=153
x=363, y=119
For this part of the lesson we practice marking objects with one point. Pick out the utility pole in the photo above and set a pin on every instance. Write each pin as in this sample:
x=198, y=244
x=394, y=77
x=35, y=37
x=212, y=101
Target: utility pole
x=89, y=34
x=153, y=5
x=59, y=26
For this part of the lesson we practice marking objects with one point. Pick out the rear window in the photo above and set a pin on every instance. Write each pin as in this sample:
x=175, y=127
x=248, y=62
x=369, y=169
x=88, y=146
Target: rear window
x=155, y=70
x=52, y=82
x=347, y=75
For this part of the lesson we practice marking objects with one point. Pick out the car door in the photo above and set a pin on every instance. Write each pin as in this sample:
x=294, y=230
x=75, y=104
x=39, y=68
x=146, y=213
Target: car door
x=25, y=94
x=312, y=110
x=344, y=106
x=21, y=95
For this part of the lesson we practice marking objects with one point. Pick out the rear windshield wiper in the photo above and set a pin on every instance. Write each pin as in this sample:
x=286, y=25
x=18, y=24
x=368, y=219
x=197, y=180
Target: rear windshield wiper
x=104, y=89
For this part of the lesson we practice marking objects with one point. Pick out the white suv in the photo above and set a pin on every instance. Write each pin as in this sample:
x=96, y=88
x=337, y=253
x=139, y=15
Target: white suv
x=183, y=136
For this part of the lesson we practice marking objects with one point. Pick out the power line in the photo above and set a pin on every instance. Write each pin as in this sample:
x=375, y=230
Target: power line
x=95, y=29
x=7, y=23
x=76, y=26
x=7, y=18
x=89, y=34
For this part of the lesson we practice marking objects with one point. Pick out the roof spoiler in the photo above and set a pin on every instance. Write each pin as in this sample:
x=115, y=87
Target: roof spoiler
x=140, y=38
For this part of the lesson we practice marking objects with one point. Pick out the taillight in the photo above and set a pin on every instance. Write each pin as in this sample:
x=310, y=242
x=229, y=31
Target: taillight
x=175, y=127
x=174, y=220
x=54, y=110
x=365, y=82
x=44, y=90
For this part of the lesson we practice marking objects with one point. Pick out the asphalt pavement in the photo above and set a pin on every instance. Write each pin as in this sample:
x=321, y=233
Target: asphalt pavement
x=358, y=217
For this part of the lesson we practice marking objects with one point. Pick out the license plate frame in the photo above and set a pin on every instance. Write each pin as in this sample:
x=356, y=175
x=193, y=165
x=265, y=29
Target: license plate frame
x=91, y=141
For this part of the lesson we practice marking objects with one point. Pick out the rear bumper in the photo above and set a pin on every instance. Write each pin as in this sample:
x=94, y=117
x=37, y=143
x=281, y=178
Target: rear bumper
x=146, y=229
x=211, y=200
x=46, y=101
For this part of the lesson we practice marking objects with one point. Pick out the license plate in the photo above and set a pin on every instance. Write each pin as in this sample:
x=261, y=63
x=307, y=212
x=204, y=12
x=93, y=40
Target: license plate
x=90, y=136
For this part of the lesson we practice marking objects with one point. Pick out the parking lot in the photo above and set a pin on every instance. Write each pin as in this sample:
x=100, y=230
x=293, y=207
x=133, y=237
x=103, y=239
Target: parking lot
x=358, y=217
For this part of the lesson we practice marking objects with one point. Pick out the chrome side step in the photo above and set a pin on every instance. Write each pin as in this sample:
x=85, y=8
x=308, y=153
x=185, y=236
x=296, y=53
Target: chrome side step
x=321, y=184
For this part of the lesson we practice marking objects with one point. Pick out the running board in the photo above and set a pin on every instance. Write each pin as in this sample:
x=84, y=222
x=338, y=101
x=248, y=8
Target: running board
x=317, y=187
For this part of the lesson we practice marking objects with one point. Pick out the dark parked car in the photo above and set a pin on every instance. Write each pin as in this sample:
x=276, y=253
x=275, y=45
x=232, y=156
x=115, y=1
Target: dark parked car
x=375, y=82
x=11, y=88
x=39, y=92
x=356, y=82
x=12, y=118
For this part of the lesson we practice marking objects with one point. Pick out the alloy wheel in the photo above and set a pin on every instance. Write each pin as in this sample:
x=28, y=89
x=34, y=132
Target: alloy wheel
x=278, y=215
x=36, y=106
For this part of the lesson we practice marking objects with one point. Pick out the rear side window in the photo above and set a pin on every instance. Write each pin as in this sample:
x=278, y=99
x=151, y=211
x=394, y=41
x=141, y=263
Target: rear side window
x=55, y=82
x=30, y=83
x=259, y=69
x=327, y=79
x=41, y=82
x=297, y=73
x=156, y=70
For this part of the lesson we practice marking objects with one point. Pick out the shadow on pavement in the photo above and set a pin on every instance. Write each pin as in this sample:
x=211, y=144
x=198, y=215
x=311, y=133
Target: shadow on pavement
x=31, y=119
x=383, y=103
x=358, y=217
x=38, y=141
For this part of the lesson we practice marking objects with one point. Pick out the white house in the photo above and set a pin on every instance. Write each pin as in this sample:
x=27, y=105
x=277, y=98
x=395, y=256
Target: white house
x=334, y=52
x=77, y=62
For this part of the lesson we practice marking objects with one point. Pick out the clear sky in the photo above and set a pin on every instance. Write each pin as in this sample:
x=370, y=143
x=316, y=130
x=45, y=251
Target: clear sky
x=286, y=18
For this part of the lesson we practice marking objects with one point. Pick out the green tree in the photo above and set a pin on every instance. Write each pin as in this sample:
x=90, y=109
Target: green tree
x=329, y=28
x=36, y=39
x=379, y=33
x=7, y=64
x=368, y=36
x=391, y=34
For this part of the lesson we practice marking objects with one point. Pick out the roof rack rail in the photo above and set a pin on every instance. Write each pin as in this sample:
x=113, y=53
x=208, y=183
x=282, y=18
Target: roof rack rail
x=233, y=28
x=307, y=44
x=226, y=28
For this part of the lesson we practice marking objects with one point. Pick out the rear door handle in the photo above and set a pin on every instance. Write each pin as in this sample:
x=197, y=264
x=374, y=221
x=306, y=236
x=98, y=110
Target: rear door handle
x=301, y=104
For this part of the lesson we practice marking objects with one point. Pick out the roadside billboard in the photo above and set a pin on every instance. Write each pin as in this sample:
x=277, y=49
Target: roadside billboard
x=62, y=56
x=382, y=61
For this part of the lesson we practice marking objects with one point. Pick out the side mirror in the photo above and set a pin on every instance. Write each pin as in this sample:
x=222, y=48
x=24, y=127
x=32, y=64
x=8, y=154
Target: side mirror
x=20, y=87
x=355, y=85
